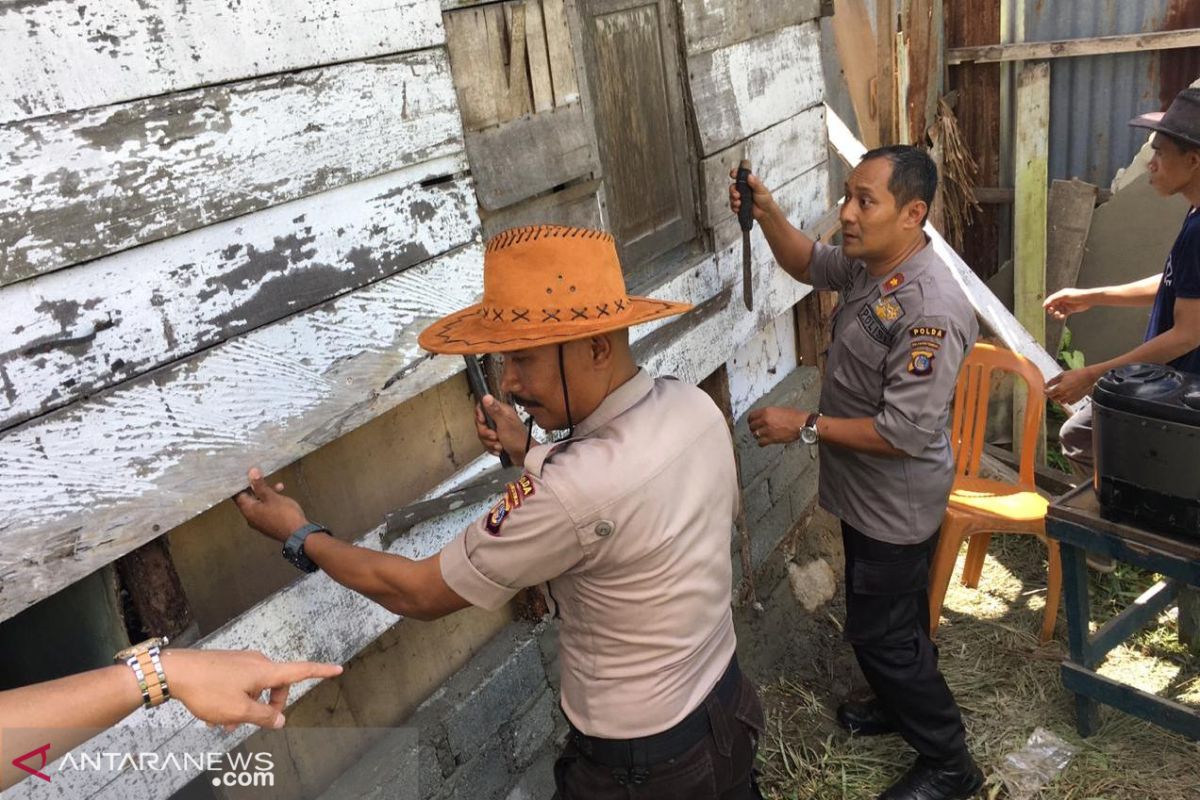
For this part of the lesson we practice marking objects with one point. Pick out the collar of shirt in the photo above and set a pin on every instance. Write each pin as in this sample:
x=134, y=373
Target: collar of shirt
x=909, y=269
x=620, y=400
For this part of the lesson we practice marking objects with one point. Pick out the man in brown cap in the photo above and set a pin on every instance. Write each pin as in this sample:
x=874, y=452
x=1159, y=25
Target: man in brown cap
x=1173, y=334
x=626, y=523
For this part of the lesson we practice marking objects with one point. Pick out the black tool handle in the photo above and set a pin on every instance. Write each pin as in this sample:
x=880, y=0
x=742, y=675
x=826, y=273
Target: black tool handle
x=479, y=388
x=746, y=211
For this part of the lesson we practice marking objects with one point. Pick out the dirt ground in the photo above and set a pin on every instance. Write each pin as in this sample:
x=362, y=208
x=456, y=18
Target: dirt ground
x=1006, y=684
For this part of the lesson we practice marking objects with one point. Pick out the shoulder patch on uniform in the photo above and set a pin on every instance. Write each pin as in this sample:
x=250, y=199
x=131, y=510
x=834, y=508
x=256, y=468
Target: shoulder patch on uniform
x=927, y=332
x=893, y=281
x=514, y=495
x=920, y=362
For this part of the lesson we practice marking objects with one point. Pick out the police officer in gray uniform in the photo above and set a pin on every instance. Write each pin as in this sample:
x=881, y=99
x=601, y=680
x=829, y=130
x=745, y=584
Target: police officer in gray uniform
x=899, y=339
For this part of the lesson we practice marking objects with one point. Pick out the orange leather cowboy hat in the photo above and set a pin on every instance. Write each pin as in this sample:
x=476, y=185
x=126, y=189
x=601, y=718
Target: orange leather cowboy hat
x=545, y=284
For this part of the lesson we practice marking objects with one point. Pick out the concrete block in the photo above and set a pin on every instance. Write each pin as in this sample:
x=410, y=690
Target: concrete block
x=531, y=732
x=790, y=469
x=537, y=782
x=800, y=389
x=756, y=497
x=484, y=777
x=499, y=680
x=395, y=768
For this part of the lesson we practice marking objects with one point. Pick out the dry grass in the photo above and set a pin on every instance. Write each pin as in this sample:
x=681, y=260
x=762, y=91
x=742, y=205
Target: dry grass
x=1007, y=685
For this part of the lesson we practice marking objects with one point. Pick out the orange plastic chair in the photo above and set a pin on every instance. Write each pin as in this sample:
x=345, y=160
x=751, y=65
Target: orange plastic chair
x=979, y=506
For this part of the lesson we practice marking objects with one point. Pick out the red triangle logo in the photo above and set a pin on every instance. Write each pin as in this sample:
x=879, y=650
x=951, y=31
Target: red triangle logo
x=19, y=762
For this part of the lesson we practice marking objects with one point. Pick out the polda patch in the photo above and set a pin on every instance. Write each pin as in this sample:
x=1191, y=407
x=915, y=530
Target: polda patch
x=927, y=332
x=514, y=496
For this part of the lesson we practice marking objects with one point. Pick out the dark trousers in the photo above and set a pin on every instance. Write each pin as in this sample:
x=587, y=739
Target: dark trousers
x=718, y=767
x=887, y=624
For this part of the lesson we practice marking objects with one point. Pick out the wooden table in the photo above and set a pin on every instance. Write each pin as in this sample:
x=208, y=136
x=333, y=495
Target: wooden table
x=1074, y=521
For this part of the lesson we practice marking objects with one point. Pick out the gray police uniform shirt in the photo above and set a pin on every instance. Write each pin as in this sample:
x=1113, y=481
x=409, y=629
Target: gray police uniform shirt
x=898, y=343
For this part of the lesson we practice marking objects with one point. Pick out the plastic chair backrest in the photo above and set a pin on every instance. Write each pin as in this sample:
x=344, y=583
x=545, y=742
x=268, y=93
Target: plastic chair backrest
x=971, y=396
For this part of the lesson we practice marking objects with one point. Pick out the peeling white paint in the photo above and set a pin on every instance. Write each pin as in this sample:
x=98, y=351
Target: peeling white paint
x=748, y=87
x=83, y=486
x=61, y=55
x=762, y=363
x=80, y=186
x=74, y=332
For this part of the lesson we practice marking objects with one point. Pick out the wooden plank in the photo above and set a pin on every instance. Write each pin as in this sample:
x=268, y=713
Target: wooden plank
x=576, y=206
x=74, y=332
x=740, y=90
x=530, y=155
x=990, y=309
x=80, y=186
x=538, y=56
x=855, y=42
x=474, y=62
x=710, y=26
x=1073, y=48
x=885, y=64
x=150, y=454
x=66, y=56
x=978, y=88
x=1030, y=156
x=921, y=21
x=520, y=93
x=777, y=155
x=1161, y=711
x=1143, y=611
x=562, y=57
x=1069, y=220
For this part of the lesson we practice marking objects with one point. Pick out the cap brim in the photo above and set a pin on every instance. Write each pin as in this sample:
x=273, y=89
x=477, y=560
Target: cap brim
x=1154, y=122
x=467, y=332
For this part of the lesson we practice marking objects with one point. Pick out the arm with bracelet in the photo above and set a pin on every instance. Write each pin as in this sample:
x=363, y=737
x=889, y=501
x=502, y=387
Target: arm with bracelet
x=221, y=687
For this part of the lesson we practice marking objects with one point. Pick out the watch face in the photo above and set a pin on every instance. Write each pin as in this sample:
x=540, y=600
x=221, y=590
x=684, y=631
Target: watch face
x=808, y=435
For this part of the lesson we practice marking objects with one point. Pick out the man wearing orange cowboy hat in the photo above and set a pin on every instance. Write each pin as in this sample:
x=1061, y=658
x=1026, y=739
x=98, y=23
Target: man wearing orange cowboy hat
x=626, y=523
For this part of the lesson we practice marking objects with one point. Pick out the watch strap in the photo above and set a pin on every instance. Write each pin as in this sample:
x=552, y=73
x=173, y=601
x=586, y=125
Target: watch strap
x=145, y=659
x=293, y=548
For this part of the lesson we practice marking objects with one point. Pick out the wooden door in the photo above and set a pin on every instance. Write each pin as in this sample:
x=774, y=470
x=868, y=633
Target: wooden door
x=632, y=63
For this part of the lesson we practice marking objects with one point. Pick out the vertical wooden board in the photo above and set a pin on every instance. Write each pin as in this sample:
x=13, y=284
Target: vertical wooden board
x=539, y=57
x=885, y=63
x=740, y=90
x=709, y=25
x=562, y=57
x=1031, y=156
x=530, y=155
x=855, y=42
x=81, y=186
x=471, y=59
x=62, y=56
x=777, y=155
x=978, y=87
x=641, y=130
x=519, y=90
x=154, y=452
x=1068, y=223
x=920, y=68
x=74, y=332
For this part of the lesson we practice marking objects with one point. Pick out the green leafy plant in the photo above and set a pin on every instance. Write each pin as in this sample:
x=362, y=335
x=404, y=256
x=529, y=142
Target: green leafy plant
x=1067, y=355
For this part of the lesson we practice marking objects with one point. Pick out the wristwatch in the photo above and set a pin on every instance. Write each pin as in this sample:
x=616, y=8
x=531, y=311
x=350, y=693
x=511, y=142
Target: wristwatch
x=809, y=434
x=144, y=658
x=293, y=548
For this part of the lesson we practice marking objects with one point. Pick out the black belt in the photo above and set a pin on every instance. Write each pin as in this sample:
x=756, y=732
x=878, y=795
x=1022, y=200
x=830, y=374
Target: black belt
x=647, y=751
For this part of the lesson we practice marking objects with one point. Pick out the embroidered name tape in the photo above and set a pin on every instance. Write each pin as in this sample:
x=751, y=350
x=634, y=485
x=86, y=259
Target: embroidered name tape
x=925, y=331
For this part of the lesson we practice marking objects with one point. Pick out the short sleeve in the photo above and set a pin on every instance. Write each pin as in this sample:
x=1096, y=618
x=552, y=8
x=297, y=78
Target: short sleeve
x=1185, y=260
x=830, y=268
x=527, y=538
x=920, y=375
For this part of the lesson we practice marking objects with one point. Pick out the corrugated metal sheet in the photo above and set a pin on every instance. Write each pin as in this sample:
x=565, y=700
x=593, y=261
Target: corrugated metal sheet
x=1092, y=99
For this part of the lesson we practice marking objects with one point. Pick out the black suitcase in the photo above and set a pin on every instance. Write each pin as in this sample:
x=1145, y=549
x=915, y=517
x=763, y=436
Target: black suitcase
x=1146, y=437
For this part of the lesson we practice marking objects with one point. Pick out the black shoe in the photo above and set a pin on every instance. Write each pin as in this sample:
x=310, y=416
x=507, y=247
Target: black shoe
x=928, y=781
x=864, y=718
